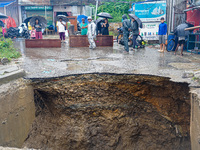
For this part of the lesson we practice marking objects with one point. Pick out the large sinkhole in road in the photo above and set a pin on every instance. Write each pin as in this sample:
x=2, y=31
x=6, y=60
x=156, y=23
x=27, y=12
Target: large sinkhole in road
x=110, y=111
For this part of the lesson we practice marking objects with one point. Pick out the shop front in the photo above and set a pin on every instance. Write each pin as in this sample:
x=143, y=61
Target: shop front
x=44, y=11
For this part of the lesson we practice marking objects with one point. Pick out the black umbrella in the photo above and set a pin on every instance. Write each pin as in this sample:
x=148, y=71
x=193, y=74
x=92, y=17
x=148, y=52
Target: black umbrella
x=180, y=29
x=105, y=15
x=27, y=20
x=41, y=19
x=1, y=24
x=63, y=17
x=99, y=20
x=137, y=19
x=2, y=16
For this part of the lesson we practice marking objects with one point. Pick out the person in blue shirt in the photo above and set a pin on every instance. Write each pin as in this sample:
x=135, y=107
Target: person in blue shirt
x=162, y=32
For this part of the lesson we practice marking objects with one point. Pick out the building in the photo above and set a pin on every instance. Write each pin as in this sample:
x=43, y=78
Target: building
x=51, y=8
x=175, y=13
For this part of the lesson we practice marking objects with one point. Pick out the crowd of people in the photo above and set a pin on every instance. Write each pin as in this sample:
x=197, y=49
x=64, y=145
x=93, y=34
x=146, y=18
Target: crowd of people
x=92, y=29
x=89, y=29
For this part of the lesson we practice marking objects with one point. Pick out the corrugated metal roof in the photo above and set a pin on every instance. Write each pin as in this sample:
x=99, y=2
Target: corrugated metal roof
x=2, y=4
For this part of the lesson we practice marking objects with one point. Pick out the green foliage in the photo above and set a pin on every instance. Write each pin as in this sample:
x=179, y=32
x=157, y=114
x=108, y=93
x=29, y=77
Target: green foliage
x=7, y=49
x=116, y=9
x=113, y=33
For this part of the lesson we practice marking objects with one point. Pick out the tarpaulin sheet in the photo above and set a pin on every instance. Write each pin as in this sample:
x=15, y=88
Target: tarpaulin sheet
x=3, y=4
x=10, y=22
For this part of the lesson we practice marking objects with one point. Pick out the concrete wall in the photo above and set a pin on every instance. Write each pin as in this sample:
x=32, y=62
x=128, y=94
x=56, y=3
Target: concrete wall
x=76, y=10
x=17, y=112
x=195, y=119
x=175, y=13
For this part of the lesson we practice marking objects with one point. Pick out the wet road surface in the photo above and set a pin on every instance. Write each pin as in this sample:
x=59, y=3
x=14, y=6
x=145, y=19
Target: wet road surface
x=54, y=62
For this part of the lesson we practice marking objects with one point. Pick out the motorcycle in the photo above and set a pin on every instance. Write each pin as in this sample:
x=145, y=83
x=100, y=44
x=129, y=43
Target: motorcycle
x=120, y=34
x=21, y=31
x=140, y=43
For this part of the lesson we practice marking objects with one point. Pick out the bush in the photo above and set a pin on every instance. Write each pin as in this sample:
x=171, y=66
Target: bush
x=7, y=49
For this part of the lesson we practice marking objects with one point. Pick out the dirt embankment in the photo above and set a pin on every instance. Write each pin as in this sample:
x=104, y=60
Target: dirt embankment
x=97, y=111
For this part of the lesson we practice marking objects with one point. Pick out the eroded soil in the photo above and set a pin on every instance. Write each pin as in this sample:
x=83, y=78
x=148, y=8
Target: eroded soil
x=108, y=111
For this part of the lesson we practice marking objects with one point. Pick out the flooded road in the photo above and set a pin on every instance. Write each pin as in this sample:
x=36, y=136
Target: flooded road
x=53, y=62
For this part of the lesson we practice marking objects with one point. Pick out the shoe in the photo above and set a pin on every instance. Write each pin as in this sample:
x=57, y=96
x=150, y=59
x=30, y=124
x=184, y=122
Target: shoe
x=160, y=51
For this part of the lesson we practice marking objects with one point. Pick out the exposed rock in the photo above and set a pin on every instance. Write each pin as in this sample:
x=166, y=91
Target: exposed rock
x=102, y=111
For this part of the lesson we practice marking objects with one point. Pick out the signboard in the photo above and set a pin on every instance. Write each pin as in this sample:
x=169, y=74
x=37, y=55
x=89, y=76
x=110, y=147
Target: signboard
x=149, y=31
x=38, y=8
x=34, y=2
x=150, y=11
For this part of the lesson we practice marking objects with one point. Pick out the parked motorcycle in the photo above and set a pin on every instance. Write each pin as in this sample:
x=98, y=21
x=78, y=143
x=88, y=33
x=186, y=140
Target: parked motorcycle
x=21, y=31
x=140, y=42
x=120, y=34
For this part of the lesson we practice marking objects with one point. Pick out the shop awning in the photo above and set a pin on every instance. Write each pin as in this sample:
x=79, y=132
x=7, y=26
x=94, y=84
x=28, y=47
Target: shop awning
x=3, y=4
x=193, y=8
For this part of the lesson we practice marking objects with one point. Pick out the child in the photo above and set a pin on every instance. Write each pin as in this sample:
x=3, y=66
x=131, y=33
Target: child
x=181, y=42
x=162, y=34
x=33, y=33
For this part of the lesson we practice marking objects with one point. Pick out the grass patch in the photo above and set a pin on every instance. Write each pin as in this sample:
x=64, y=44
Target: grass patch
x=7, y=49
x=113, y=33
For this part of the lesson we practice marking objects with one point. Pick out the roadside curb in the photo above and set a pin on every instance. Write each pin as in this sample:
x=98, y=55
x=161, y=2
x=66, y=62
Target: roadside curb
x=12, y=76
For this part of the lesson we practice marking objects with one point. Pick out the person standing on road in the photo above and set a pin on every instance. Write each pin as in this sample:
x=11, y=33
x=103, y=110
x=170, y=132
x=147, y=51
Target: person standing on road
x=135, y=30
x=105, y=27
x=84, y=27
x=91, y=33
x=162, y=32
x=126, y=28
x=61, y=29
x=33, y=33
x=38, y=27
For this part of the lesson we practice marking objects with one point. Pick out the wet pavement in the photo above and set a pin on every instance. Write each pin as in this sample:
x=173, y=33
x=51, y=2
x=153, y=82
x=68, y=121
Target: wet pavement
x=54, y=62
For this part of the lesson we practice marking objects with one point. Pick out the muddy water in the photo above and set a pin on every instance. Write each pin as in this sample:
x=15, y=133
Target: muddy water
x=108, y=111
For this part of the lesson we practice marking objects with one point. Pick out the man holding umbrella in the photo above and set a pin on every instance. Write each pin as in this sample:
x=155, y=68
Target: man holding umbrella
x=182, y=34
x=91, y=33
x=135, y=24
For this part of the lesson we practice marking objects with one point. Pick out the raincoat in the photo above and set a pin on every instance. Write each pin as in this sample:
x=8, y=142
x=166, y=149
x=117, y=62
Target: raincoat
x=91, y=34
x=126, y=25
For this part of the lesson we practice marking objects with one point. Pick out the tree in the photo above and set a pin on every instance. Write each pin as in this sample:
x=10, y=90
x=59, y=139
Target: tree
x=116, y=8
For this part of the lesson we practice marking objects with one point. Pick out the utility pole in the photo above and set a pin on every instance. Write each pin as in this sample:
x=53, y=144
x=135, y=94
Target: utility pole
x=97, y=3
x=81, y=12
x=45, y=14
